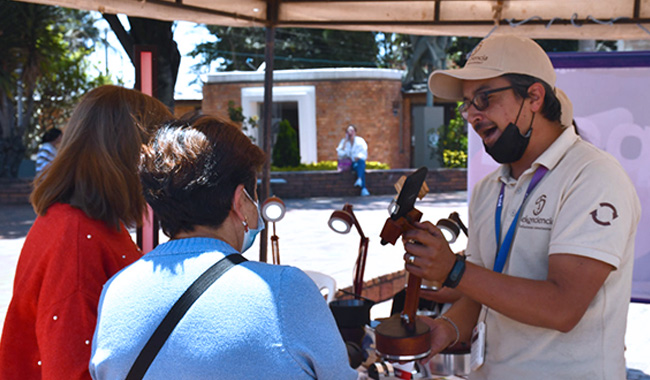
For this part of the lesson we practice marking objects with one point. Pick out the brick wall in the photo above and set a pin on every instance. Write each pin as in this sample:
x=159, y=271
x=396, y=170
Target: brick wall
x=372, y=105
x=367, y=104
x=302, y=184
x=378, y=289
x=378, y=182
x=15, y=190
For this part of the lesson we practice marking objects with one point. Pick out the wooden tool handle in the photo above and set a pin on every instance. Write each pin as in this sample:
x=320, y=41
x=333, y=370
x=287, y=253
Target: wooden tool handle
x=411, y=302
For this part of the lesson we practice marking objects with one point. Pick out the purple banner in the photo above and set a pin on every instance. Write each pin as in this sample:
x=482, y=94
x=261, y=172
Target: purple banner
x=612, y=111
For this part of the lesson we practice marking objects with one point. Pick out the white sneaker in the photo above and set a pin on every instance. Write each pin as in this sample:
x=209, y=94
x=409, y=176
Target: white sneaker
x=364, y=192
x=358, y=183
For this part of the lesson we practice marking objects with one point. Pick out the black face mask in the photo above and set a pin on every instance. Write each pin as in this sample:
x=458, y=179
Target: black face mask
x=511, y=145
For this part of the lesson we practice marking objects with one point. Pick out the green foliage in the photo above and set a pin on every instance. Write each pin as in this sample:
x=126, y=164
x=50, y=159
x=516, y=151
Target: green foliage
x=452, y=140
x=326, y=165
x=458, y=50
x=243, y=48
x=59, y=92
x=43, y=62
x=461, y=46
x=285, y=151
x=454, y=158
x=394, y=50
x=236, y=115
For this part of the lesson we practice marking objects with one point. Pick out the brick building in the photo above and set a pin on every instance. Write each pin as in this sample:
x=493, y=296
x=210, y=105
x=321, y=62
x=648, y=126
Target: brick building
x=320, y=103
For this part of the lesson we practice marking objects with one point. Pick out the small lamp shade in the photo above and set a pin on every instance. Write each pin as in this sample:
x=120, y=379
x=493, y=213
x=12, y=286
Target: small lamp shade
x=273, y=209
x=340, y=222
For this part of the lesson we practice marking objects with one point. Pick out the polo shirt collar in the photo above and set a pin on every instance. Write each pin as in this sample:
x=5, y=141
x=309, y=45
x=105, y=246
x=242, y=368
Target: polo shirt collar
x=554, y=153
x=549, y=158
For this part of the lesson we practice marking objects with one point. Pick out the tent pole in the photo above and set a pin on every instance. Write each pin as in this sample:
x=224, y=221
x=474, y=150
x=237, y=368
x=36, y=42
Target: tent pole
x=268, y=115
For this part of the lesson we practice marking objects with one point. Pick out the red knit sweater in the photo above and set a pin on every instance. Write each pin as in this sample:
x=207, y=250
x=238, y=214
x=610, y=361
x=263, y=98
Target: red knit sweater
x=66, y=259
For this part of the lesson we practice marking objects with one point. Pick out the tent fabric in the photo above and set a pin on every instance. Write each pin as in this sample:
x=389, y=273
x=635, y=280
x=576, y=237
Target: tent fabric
x=551, y=19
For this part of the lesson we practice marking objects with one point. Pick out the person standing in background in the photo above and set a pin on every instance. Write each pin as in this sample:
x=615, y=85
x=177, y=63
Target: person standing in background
x=90, y=193
x=354, y=150
x=47, y=151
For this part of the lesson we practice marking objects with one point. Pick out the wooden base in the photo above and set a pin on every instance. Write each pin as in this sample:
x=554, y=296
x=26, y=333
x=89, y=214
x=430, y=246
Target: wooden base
x=394, y=342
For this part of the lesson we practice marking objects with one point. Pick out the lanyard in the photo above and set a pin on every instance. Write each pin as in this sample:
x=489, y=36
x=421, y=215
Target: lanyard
x=504, y=249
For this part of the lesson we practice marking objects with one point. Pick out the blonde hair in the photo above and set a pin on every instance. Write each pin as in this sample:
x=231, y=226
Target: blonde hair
x=96, y=168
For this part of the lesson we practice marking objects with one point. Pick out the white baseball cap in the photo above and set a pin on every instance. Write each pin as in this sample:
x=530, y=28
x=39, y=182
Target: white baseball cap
x=498, y=55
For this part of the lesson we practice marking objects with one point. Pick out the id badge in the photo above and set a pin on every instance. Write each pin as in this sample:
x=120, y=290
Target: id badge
x=477, y=355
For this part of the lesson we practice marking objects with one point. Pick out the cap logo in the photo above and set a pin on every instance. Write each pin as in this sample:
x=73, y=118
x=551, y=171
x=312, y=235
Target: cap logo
x=475, y=58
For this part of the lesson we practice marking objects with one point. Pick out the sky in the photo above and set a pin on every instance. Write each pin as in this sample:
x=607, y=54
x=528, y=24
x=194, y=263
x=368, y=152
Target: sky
x=186, y=34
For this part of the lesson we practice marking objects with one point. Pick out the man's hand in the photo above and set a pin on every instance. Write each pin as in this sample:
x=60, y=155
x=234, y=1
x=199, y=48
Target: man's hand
x=442, y=335
x=428, y=254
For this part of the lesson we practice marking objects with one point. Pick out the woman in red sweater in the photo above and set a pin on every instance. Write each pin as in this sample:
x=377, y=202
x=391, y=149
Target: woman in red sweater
x=84, y=201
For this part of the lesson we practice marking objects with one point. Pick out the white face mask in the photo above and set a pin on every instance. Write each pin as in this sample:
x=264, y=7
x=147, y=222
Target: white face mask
x=249, y=233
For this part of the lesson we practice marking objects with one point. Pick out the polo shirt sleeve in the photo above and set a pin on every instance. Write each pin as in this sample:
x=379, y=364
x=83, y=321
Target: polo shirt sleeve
x=480, y=225
x=598, y=213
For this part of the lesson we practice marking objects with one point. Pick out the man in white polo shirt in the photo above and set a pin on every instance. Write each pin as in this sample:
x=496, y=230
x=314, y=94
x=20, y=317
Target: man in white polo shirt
x=547, y=282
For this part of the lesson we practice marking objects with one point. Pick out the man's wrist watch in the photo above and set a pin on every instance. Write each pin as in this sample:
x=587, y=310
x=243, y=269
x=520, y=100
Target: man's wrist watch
x=456, y=273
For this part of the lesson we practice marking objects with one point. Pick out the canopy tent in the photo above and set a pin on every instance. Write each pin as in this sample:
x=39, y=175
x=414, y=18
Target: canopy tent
x=540, y=19
x=551, y=19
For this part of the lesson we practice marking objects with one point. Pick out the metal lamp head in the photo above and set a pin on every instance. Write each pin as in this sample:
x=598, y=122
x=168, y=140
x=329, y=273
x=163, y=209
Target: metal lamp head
x=273, y=209
x=340, y=221
x=450, y=229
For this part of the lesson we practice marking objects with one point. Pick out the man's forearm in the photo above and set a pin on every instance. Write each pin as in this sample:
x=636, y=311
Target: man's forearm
x=464, y=313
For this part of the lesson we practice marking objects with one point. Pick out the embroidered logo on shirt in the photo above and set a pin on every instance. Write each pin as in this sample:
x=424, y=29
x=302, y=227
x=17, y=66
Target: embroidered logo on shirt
x=603, y=217
x=539, y=204
x=535, y=221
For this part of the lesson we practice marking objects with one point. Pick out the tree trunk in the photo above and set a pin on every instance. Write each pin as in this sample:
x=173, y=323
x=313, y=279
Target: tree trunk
x=11, y=144
x=159, y=33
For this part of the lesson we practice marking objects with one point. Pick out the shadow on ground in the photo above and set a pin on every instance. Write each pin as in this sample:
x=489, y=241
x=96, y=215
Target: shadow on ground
x=16, y=220
x=378, y=202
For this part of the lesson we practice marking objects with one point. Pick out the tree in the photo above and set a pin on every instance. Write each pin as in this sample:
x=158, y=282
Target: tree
x=451, y=145
x=158, y=33
x=394, y=50
x=285, y=151
x=243, y=48
x=42, y=72
x=59, y=91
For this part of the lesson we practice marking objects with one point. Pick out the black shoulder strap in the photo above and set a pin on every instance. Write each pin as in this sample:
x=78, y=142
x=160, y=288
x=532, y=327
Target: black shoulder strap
x=177, y=312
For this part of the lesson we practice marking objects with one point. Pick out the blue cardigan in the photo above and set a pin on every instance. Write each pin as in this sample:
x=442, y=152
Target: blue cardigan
x=258, y=321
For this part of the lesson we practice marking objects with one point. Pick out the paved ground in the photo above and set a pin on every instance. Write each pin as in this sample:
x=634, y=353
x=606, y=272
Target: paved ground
x=307, y=242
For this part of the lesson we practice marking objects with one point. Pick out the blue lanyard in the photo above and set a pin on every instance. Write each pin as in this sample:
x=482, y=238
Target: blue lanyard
x=504, y=249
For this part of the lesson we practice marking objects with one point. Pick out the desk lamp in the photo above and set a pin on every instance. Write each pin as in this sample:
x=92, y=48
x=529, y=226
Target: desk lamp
x=342, y=221
x=273, y=210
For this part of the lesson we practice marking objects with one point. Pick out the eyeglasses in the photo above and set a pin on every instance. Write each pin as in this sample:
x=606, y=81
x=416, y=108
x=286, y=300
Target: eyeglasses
x=480, y=101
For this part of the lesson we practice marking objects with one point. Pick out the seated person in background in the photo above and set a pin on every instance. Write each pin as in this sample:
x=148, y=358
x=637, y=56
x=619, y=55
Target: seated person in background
x=257, y=321
x=49, y=145
x=354, y=150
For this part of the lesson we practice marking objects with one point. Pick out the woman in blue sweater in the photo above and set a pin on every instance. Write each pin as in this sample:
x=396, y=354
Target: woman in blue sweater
x=257, y=321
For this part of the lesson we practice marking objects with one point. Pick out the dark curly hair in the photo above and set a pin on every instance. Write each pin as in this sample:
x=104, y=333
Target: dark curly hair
x=191, y=168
